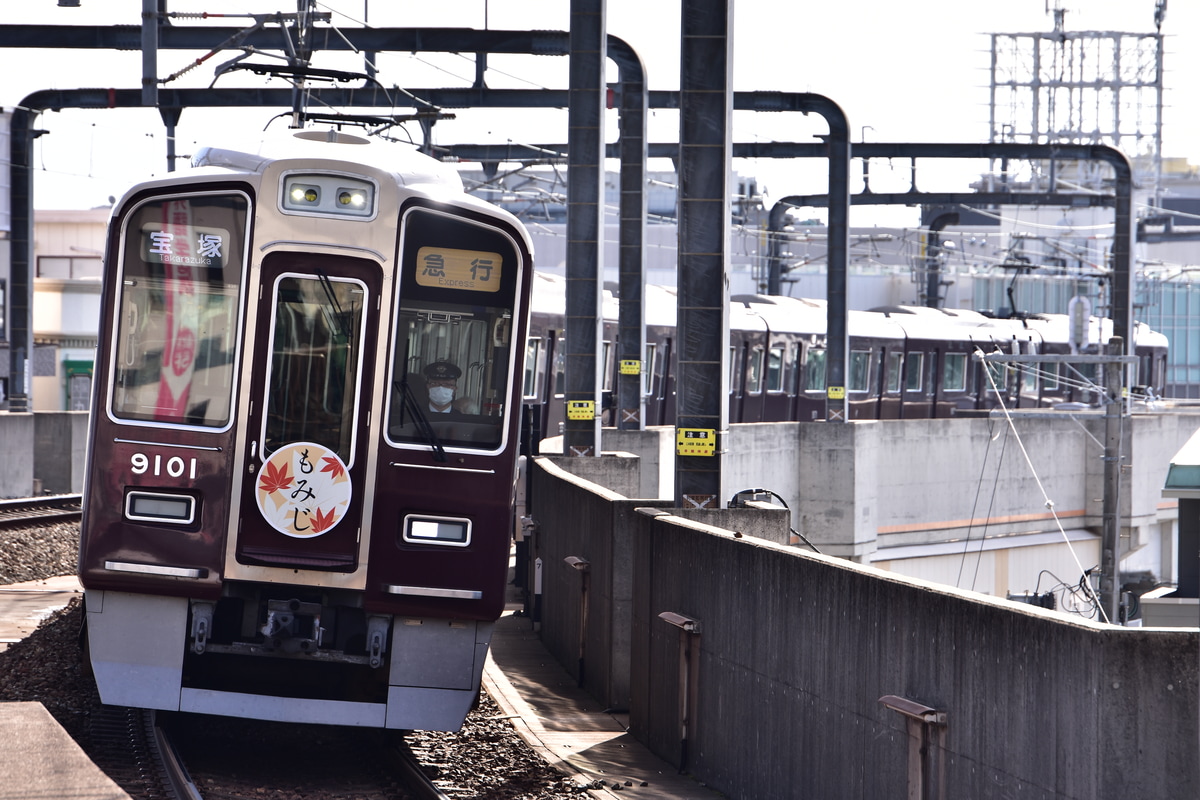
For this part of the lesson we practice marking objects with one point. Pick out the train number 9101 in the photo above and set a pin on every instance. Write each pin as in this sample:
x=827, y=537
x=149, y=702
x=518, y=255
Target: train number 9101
x=174, y=466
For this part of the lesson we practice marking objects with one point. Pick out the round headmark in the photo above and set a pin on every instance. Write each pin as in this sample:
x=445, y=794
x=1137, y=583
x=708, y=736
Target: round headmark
x=303, y=490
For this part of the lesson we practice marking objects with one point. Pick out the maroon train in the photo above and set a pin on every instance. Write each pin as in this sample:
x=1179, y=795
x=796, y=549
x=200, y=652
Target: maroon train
x=904, y=362
x=280, y=522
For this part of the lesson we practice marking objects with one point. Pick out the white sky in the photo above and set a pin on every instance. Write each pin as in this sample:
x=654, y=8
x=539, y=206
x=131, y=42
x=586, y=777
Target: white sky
x=901, y=71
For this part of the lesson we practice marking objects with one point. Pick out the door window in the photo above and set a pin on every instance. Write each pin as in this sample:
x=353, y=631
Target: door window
x=316, y=359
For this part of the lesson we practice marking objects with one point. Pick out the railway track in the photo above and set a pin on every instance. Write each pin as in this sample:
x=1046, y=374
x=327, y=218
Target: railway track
x=148, y=755
x=36, y=510
x=418, y=782
x=203, y=757
x=136, y=752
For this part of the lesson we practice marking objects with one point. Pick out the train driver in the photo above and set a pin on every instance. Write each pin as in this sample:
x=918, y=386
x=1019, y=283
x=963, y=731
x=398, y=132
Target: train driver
x=441, y=383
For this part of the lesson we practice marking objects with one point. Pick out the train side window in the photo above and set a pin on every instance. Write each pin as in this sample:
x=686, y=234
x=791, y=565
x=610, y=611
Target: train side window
x=533, y=352
x=954, y=372
x=178, y=317
x=1050, y=377
x=735, y=364
x=860, y=371
x=914, y=372
x=814, y=370
x=893, y=373
x=560, y=368
x=776, y=367
x=998, y=374
x=755, y=377
x=1028, y=379
x=793, y=371
x=606, y=362
x=648, y=369
x=1090, y=374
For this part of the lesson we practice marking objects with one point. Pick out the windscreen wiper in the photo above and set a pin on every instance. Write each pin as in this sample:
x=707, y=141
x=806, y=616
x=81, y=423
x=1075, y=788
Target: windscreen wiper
x=421, y=421
x=339, y=316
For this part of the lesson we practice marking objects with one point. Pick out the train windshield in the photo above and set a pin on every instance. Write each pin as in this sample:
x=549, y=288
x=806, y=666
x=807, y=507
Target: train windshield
x=452, y=346
x=315, y=363
x=177, y=322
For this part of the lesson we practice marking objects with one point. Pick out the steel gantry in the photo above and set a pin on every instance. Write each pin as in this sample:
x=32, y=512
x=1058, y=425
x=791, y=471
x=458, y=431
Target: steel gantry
x=632, y=150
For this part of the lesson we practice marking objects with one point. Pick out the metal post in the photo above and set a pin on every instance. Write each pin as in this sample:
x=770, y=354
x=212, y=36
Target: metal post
x=170, y=117
x=689, y=671
x=150, y=53
x=630, y=406
x=705, y=148
x=584, y=567
x=837, y=349
x=585, y=226
x=1110, y=547
x=926, y=761
x=21, y=266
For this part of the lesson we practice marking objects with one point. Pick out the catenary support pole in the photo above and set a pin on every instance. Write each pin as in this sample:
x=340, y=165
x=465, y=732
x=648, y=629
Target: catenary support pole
x=585, y=227
x=705, y=145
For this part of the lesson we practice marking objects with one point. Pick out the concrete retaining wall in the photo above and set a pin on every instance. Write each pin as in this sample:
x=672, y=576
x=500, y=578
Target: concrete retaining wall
x=585, y=543
x=581, y=521
x=16, y=455
x=962, y=501
x=862, y=486
x=42, y=452
x=794, y=652
x=60, y=450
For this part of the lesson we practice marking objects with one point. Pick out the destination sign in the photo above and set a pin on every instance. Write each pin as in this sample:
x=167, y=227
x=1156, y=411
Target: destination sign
x=183, y=245
x=469, y=270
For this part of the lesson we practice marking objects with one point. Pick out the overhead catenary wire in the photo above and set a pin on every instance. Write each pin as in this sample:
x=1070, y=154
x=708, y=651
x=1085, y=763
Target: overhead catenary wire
x=1041, y=487
x=975, y=506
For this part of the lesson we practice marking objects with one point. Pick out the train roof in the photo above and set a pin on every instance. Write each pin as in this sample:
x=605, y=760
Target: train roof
x=388, y=163
x=950, y=324
x=781, y=314
x=550, y=296
x=808, y=316
x=409, y=166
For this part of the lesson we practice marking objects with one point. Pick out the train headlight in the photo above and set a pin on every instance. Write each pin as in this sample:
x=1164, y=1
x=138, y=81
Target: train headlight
x=437, y=530
x=352, y=198
x=304, y=195
x=327, y=195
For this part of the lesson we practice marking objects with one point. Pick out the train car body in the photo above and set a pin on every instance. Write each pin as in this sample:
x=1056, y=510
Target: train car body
x=280, y=522
x=904, y=362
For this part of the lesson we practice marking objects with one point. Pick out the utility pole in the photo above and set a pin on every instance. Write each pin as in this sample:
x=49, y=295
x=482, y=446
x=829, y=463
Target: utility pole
x=1110, y=545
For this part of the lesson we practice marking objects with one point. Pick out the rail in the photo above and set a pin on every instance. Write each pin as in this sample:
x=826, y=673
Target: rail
x=415, y=777
x=65, y=507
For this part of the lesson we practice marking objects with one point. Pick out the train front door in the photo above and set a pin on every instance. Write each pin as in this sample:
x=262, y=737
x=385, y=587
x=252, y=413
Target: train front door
x=313, y=356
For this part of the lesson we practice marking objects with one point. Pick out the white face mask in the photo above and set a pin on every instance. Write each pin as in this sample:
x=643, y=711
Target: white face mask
x=441, y=395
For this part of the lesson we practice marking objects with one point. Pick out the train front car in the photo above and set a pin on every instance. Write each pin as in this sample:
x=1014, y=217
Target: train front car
x=302, y=459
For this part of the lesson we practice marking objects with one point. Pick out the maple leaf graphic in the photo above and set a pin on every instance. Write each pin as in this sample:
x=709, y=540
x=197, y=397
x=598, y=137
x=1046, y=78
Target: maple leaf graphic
x=332, y=466
x=322, y=521
x=275, y=479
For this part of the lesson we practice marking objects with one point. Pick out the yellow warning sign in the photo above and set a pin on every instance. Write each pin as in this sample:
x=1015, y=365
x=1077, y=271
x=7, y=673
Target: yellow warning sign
x=836, y=393
x=581, y=409
x=631, y=366
x=695, y=442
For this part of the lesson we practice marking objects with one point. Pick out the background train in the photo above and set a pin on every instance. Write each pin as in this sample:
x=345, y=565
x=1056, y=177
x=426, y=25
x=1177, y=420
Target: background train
x=905, y=362
x=280, y=522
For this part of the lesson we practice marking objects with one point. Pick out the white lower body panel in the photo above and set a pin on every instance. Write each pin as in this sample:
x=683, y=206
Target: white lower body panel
x=137, y=645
